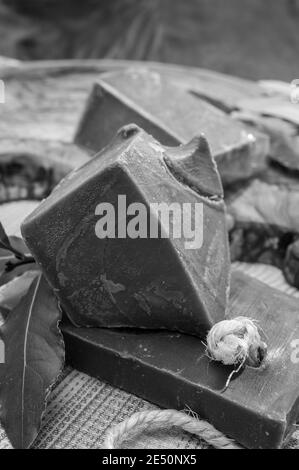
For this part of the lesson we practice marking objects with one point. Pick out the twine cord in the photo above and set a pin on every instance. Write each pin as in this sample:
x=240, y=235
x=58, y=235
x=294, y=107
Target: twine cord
x=234, y=342
x=162, y=419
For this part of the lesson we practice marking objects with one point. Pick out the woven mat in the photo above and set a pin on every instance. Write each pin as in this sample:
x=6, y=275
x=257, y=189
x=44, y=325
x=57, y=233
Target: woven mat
x=81, y=409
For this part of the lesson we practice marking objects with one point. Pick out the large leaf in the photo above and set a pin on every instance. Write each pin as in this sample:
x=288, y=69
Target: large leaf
x=34, y=357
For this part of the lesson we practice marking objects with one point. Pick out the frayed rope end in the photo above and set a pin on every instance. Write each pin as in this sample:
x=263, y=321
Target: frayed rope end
x=236, y=342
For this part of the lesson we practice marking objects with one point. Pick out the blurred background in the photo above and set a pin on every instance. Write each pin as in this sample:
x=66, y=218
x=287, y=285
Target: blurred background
x=248, y=38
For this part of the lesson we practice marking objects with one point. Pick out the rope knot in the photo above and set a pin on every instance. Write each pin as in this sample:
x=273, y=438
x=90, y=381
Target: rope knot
x=236, y=341
x=233, y=342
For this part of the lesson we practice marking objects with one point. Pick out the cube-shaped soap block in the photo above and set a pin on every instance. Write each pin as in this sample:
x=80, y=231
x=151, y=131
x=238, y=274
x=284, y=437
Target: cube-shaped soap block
x=137, y=237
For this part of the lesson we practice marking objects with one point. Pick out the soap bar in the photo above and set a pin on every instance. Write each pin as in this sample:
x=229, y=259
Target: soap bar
x=172, y=116
x=260, y=407
x=265, y=218
x=291, y=264
x=137, y=237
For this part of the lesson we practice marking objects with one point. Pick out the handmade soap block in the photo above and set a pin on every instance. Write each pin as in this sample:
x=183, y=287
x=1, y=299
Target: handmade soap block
x=137, y=237
x=260, y=407
x=265, y=220
x=172, y=116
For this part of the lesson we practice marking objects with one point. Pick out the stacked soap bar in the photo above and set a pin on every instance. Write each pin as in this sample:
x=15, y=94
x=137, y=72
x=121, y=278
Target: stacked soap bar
x=260, y=407
x=137, y=237
x=172, y=116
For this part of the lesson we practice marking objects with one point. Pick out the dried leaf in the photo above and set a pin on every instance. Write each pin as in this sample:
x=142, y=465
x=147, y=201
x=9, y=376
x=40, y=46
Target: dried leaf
x=3, y=315
x=12, y=243
x=18, y=244
x=7, y=256
x=4, y=241
x=12, y=292
x=34, y=357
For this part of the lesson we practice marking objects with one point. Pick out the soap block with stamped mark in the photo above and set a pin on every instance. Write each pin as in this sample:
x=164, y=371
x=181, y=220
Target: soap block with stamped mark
x=172, y=116
x=163, y=261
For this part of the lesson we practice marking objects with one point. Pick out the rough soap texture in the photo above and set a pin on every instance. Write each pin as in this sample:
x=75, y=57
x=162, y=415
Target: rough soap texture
x=142, y=282
x=260, y=407
x=172, y=116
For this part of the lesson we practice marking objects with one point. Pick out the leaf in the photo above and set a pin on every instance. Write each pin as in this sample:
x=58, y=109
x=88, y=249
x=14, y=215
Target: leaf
x=6, y=256
x=4, y=241
x=34, y=357
x=3, y=315
x=18, y=244
x=12, y=292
